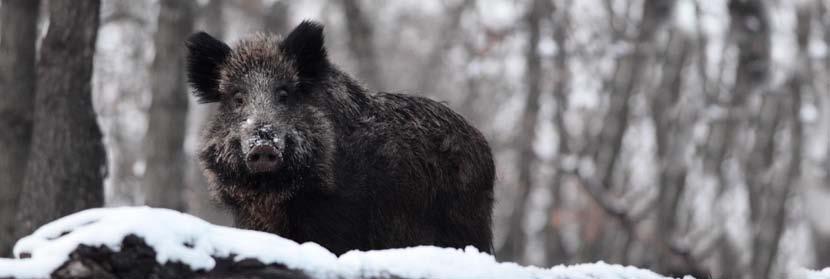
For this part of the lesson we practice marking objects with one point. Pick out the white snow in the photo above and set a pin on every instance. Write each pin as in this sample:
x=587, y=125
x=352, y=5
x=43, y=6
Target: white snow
x=814, y=274
x=183, y=238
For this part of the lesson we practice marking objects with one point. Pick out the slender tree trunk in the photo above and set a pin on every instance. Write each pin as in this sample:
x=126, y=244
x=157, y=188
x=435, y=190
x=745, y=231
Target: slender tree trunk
x=555, y=252
x=433, y=68
x=117, y=92
x=199, y=202
x=66, y=166
x=18, y=35
x=513, y=248
x=749, y=31
x=750, y=26
x=468, y=107
x=773, y=223
x=276, y=20
x=822, y=250
x=624, y=84
x=672, y=130
x=821, y=237
x=164, y=144
x=361, y=42
x=607, y=148
x=212, y=18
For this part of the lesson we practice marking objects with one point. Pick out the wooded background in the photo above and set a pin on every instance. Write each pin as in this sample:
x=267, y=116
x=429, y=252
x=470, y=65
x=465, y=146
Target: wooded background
x=684, y=136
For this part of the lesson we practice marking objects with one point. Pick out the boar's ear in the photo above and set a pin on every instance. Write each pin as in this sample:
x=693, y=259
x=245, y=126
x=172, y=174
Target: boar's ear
x=305, y=44
x=205, y=55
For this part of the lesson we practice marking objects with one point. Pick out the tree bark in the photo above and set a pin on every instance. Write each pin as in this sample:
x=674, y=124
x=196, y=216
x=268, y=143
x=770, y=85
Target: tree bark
x=18, y=36
x=822, y=250
x=821, y=238
x=199, y=202
x=629, y=69
x=276, y=20
x=773, y=221
x=361, y=42
x=672, y=129
x=513, y=248
x=606, y=148
x=555, y=252
x=164, y=143
x=434, y=66
x=750, y=26
x=121, y=80
x=66, y=166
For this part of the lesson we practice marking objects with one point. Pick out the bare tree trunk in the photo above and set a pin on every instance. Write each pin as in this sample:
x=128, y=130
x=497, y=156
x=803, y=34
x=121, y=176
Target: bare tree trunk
x=624, y=83
x=66, y=167
x=822, y=250
x=468, y=106
x=821, y=238
x=361, y=42
x=672, y=130
x=607, y=147
x=18, y=35
x=199, y=202
x=772, y=221
x=276, y=20
x=118, y=93
x=750, y=25
x=433, y=67
x=555, y=252
x=749, y=31
x=164, y=178
x=513, y=248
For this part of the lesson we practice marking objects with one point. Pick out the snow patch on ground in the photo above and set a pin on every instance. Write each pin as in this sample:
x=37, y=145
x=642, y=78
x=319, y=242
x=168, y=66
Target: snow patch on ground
x=183, y=238
x=814, y=274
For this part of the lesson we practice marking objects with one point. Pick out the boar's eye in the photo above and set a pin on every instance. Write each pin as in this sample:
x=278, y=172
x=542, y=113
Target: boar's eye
x=238, y=101
x=282, y=95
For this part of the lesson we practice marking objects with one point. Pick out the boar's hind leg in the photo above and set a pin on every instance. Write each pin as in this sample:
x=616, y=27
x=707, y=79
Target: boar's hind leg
x=465, y=201
x=465, y=220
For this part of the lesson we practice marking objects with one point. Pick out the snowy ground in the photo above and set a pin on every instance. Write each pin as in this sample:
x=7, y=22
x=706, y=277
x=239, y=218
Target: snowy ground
x=814, y=274
x=183, y=238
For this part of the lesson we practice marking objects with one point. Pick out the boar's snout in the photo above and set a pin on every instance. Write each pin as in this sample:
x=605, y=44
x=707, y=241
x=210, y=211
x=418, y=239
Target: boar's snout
x=263, y=158
x=264, y=150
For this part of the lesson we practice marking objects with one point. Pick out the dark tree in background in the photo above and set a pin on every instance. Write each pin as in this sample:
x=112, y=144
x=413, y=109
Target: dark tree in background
x=121, y=67
x=66, y=165
x=449, y=36
x=164, y=144
x=822, y=12
x=210, y=19
x=18, y=35
x=555, y=251
x=276, y=19
x=361, y=43
x=514, y=245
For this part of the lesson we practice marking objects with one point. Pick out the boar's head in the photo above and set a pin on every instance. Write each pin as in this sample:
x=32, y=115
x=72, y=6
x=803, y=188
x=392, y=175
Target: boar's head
x=271, y=131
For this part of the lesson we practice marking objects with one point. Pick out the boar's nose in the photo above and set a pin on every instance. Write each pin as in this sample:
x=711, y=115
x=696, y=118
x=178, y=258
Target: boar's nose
x=263, y=158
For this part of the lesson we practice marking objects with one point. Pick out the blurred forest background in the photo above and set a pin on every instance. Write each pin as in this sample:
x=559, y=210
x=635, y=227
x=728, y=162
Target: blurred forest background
x=684, y=136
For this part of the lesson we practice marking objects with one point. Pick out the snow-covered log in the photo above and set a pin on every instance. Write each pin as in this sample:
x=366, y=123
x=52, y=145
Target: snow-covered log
x=143, y=242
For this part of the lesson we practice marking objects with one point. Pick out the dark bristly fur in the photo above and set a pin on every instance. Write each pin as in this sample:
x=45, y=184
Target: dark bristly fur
x=203, y=73
x=358, y=170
